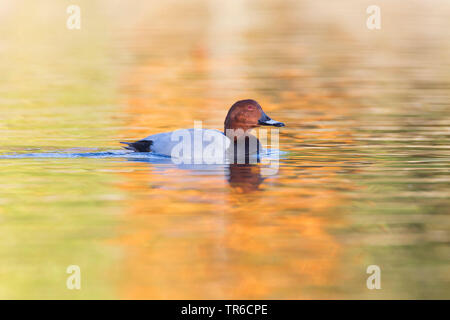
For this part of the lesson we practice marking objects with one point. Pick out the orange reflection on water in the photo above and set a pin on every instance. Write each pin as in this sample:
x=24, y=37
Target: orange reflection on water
x=230, y=233
x=193, y=243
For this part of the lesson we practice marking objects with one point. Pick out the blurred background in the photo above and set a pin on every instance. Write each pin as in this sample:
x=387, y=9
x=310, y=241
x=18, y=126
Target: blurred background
x=365, y=180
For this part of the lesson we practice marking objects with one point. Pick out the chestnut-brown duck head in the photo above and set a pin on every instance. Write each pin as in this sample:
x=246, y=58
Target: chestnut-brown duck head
x=246, y=115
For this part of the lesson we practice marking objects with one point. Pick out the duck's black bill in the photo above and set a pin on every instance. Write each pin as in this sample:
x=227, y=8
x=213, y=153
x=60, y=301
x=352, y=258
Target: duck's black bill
x=266, y=121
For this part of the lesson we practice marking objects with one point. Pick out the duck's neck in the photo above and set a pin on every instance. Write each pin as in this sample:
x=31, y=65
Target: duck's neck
x=240, y=134
x=238, y=130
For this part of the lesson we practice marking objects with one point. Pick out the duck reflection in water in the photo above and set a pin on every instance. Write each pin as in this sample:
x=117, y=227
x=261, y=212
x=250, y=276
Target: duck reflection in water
x=245, y=178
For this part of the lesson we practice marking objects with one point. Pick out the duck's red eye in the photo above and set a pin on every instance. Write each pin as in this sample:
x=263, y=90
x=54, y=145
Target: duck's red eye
x=250, y=107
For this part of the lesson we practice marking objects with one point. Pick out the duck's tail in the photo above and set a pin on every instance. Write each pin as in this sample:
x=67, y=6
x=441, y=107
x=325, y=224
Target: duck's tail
x=139, y=146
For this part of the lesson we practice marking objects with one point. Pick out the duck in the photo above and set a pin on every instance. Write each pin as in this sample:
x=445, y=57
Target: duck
x=242, y=117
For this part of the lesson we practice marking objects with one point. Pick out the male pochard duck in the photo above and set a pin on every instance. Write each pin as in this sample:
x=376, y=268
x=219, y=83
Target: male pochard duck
x=243, y=116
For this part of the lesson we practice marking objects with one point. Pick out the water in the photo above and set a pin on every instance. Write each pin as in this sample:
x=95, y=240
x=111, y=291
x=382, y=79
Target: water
x=364, y=181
